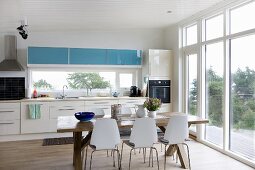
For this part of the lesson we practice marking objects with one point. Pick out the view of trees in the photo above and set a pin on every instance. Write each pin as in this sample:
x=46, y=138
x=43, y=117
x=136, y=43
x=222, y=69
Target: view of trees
x=87, y=81
x=42, y=84
x=242, y=96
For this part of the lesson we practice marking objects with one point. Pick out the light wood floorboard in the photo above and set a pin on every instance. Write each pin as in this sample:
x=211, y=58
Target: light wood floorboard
x=31, y=155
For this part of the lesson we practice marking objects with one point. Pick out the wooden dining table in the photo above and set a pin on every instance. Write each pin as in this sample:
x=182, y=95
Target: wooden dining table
x=71, y=124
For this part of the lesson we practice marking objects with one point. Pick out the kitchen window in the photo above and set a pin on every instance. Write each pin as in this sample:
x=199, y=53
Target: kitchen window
x=126, y=80
x=81, y=82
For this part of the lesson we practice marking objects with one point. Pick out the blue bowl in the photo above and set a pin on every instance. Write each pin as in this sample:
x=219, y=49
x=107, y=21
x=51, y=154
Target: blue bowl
x=84, y=116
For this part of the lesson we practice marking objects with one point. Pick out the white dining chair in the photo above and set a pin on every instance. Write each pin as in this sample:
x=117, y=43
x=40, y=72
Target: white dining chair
x=143, y=135
x=176, y=133
x=105, y=136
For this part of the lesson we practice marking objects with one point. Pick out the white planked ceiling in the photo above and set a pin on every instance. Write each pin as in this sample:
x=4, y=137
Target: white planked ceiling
x=54, y=15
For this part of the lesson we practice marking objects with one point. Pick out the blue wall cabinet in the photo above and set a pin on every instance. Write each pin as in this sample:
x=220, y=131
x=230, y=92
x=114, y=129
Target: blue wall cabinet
x=123, y=57
x=87, y=56
x=83, y=56
x=47, y=55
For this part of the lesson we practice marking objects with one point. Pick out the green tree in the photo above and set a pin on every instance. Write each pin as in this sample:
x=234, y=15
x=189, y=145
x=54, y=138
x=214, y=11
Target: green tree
x=215, y=96
x=87, y=81
x=244, y=82
x=193, y=98
x=42, y=84
x=243, y=103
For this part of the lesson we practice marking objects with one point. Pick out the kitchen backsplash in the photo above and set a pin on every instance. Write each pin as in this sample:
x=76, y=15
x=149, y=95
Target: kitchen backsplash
x=12, y=88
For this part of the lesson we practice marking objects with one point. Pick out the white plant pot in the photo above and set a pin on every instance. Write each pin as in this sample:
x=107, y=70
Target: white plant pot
x=152, y=114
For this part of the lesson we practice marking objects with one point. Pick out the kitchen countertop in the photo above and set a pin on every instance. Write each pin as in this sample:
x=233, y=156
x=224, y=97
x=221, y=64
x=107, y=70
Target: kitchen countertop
x=51, y=99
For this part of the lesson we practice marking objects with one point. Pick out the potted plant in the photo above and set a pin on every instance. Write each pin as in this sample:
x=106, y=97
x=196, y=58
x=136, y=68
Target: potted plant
x=152, y=105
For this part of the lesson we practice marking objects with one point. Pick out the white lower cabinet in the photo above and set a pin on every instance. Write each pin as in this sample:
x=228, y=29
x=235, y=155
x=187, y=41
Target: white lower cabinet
x=165, y=108
x=63, y=108
x=131, y=103
x=100, y=106
x=29, y=125
x=9, y=118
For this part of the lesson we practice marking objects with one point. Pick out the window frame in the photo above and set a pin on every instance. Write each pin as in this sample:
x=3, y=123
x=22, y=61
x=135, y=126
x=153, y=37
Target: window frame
x=200, y=49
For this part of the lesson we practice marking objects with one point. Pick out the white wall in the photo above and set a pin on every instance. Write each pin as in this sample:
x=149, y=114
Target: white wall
x=171, y=42
x=141, y=39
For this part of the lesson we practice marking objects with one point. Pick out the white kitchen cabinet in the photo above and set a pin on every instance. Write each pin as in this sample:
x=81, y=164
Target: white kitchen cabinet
x=9, y=118
x=63, y=108
x=35, y=125
x=165, y=107
x=105, y=105
x=158, y=63
x=131, y=103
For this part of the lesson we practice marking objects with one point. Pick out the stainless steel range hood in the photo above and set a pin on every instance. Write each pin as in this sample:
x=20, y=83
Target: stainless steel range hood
x=10, y=62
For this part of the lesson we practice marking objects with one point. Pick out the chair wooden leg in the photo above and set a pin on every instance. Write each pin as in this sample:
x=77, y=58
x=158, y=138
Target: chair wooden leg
x=188, y=155
x=85, y=162
x=91, y=159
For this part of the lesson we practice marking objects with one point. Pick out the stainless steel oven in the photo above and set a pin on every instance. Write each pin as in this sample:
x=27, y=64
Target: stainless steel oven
x=160, y=89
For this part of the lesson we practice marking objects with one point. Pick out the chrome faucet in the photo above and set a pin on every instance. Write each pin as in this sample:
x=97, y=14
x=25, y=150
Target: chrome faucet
x=63, y=92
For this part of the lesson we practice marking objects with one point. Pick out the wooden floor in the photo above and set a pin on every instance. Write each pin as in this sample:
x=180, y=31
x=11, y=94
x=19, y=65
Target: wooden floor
x=31, y=155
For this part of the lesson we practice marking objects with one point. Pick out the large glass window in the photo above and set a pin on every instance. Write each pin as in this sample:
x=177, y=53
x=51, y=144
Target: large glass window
x=242, y=122
x=88, y=83
x=191, y=35
x=81, y=83
x=214, y=27
x=214, y=92
x=126, y=80
x=192, y=87
x=227, y=80
x=192, y=84
x=242, y=18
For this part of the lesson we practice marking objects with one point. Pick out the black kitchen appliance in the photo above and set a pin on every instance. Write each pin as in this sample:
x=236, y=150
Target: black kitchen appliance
x=12, y=88
x=160, y=89
x=133, y=91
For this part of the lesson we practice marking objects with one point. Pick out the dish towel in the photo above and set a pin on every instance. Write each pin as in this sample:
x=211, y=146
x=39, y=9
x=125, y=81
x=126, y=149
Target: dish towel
x=34, y=111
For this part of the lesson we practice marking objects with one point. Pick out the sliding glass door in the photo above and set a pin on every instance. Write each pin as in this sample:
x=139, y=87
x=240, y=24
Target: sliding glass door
x=214, y=92
x=220, y=78
x=242, y=103
x=192, y=87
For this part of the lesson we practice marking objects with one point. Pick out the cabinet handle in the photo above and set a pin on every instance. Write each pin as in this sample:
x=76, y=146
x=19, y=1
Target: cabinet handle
x=101, y=103
x=66, y=109
x=132, y=102
x=9, y=111
x=6, y=123
x=105, y=108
